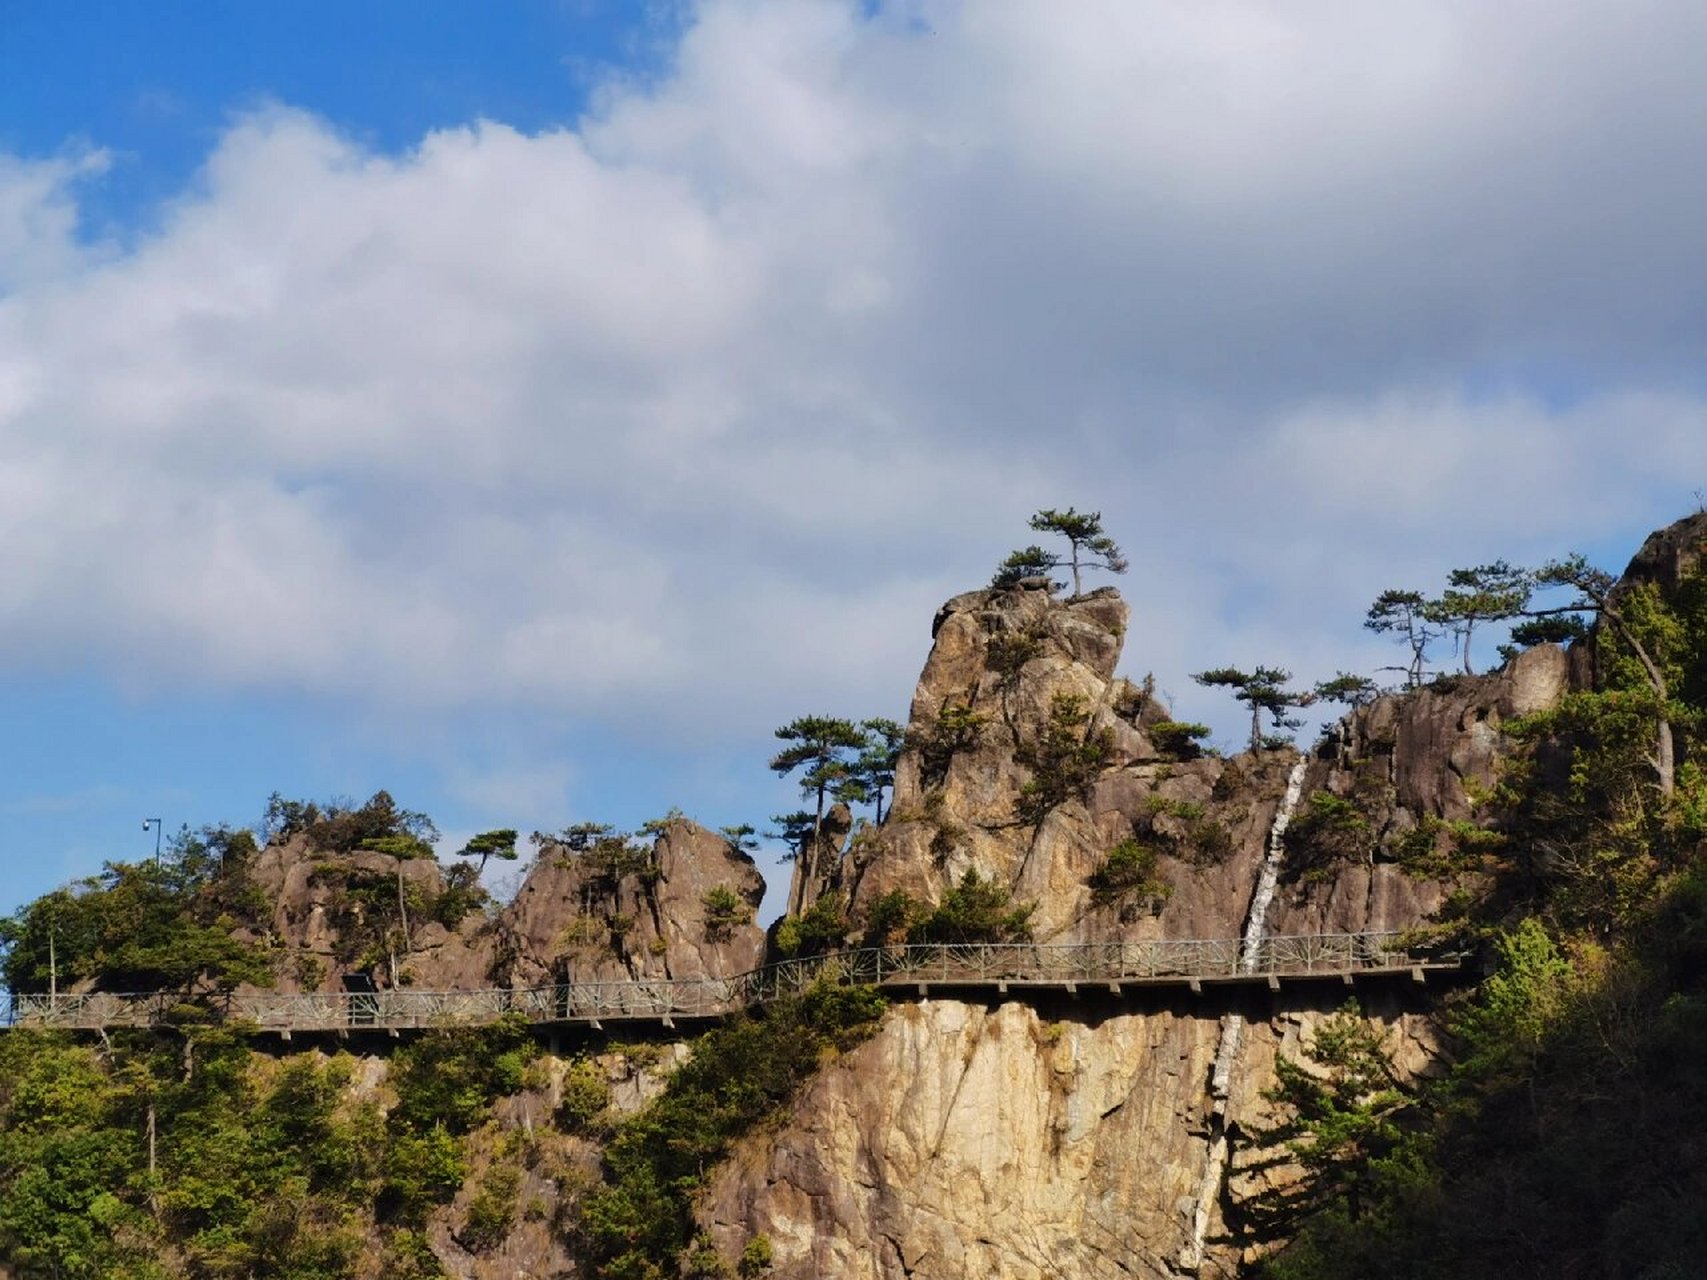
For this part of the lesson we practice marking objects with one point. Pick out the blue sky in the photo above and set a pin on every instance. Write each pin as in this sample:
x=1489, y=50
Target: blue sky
x=525, y=408
x=158, y=83
x=156, y=86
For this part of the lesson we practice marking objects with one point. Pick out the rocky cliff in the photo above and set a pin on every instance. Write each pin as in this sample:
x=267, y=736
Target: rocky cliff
x=1083, y=1133
x=1025, y=1140
x=679, y=904
x=1005, y=665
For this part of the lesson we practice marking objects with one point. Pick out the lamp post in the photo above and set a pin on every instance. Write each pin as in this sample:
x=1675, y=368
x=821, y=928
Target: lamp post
x=155, y=823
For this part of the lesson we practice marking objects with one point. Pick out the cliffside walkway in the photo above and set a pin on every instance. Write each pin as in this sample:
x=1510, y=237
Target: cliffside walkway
x=905, y=972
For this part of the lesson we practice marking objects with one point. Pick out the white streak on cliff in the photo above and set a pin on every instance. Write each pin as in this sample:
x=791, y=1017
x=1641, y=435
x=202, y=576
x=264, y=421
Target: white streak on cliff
x=1233, y=1024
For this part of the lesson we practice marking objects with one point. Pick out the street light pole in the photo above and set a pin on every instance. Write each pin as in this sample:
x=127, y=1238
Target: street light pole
x=155, y=823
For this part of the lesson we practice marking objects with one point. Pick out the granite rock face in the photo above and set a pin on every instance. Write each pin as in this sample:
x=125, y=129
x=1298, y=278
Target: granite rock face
x=1027, y=1140
x=1668, y=555
x=568, y=922
x=1005, y=660
x=571, y=922
x=324, y=922
x=966, y=1140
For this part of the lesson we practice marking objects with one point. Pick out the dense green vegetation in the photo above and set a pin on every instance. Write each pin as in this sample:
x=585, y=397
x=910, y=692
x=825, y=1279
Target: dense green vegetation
x=1566, y=1136
x=150, y=926
x=154, y=1154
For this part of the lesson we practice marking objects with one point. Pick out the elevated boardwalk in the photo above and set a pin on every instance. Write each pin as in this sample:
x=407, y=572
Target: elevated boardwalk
x=972, y=970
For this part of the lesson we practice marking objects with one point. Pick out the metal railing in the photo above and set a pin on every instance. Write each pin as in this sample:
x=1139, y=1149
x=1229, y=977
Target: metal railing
x=990, y=965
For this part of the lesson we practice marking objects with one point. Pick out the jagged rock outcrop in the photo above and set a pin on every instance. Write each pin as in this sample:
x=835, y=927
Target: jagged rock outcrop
x=572, y=920
x=1670, y=554
x=971, y=1140
x=1408, y=763
x=686, y=910
x=1005, y=665
x=1004, y=660
x=332, y=914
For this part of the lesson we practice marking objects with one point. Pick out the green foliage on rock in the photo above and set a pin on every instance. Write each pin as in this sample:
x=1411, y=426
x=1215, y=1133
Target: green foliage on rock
x=891, y=916
x=822, y=927
x=1064, y=759
x=1562, y=1138
x=638, y=1222
x=1345, y=1109
x=725, y=911
x=585, y=1097
x=1127, y=871
x=755, y=1258
x=1178, y=739
x=956, y=728
x=975, y=910
x=492, y=1209
x=1331, y=830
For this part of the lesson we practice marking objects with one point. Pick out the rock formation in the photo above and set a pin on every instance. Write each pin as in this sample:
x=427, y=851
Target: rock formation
x=573, y=921
x=1015, y=1140
x=1004, y=662
x=332, y=914
x=1084, y=1134
x=685, y=909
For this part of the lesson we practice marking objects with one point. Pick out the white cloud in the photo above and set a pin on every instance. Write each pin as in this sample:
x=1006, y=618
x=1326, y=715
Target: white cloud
x=687, y=416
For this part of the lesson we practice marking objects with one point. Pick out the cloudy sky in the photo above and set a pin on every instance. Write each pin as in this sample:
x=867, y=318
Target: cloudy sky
x=526, y=408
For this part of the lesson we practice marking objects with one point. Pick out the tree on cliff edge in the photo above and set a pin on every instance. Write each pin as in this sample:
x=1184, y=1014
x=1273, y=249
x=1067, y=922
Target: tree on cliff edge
x=1261, y=689
x=1405, y=614
x=822, y=744
x=1088, y=547
x=1485, y=593
x=1597, y=594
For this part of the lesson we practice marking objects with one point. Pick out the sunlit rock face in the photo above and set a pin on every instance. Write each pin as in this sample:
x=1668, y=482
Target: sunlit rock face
x=1008, y=657
x=965, y=1140
x=320, y=931
x=1027, y=1140
x=570, y=922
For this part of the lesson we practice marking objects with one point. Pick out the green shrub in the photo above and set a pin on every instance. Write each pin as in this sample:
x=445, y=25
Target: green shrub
x=975, y=910
x=890, y=916
x=1064, y=759
x=1127, y=871
x=822, y=927
x=725, y=911
x=1008, y=651
x=586, y=1096
x=755, y=1258
x=462, y=896
x=492, y=1210
x=1178, y=739
x=409, y=1256
x=957, y=728
x=1331, y=830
